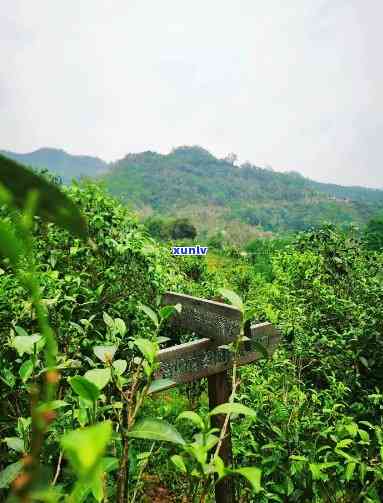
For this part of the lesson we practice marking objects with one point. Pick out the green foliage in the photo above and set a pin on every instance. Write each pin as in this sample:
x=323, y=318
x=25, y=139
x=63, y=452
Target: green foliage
x=306, y=424
x=194, y=182
x=167, y=229
x=373, y=234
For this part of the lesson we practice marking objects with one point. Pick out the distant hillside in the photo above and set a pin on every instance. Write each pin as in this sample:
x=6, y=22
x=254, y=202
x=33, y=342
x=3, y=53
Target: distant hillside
x=61, y=163
x=192, y=181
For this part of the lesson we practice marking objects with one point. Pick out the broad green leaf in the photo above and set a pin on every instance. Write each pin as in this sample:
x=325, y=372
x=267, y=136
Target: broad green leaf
x=120, y=327
x=84, y=388
x=352, y=429
x=160, y=385
x=232, y=297
x=147, y=348
x=20, y=331
x=8, y=475
x=209, y=441
x=345, y=455
x=219, y=467
x=350, y=470
x=99, y=377
x=120, y=366
x=149, y=312
x=155, y=429
x=15, y=443
x=193, y=417
x=179, y=463
x=233, y=408
x=108, y=320
x=53, y=205
x=25, y=371
x=85, y=447
x=317, y=469
x=25, y=343
x=365, y=437
x=346, y=442
x=298, y=458
x=105, y=353
x=253, y=475
x=168, y=311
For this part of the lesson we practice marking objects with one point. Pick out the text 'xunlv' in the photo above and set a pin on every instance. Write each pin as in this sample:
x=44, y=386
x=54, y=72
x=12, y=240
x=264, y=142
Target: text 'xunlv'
x=189, y=250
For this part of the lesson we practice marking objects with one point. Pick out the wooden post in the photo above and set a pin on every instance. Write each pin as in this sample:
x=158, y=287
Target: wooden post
x=219, y=389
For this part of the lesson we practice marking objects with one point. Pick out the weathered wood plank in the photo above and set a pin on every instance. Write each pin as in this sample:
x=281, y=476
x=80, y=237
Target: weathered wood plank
x=206, y=318
x=194, y=360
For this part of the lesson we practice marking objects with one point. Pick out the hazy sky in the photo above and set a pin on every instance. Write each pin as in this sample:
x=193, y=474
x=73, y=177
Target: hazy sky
x=294, y=84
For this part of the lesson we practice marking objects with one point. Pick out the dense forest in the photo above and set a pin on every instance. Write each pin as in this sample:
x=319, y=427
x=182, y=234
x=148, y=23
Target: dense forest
x=82, y=418
x=193, y=182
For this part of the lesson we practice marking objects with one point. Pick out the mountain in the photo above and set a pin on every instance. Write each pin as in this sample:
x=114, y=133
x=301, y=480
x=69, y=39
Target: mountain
x=191, y=181
x=215, y=193
x=61, y=163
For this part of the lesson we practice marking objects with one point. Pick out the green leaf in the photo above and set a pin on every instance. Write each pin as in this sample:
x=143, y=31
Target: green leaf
x=53, y=205
x=105, y=353
x=147, y=348
x=120, y=366
x=193, y=417
x=8, y=475
x=345, y=455
x=352, y=429
x=317, y=469
x=219, y=467
x=350, y=470
x=108, y=320
x=149, y=312
x=84, y=447
x=365, y=437
x=25, y=343
x=179, y=463
x=155, y=429
x=99, y=377
x=120, y=327
x=232, y=297
x=298, y=458
x=160, y=385
x=84, y=388
x=15, y=443
x=168, y=311
x=253, y=475
x=346, y=442
x=233, y=408
x=26, y=370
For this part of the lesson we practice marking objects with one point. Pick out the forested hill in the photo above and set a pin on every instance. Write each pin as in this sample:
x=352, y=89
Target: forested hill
x=190, y=179
x=61, y=163
x=214, y=193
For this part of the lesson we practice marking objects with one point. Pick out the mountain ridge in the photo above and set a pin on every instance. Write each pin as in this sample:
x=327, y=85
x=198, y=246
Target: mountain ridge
x=190, y=181
x=60, y=162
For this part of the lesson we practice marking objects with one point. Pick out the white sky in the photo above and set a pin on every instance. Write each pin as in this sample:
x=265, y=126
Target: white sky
x=295, y=84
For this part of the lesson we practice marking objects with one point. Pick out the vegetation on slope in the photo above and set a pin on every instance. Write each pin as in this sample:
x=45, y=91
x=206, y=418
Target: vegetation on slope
x=190, y=179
